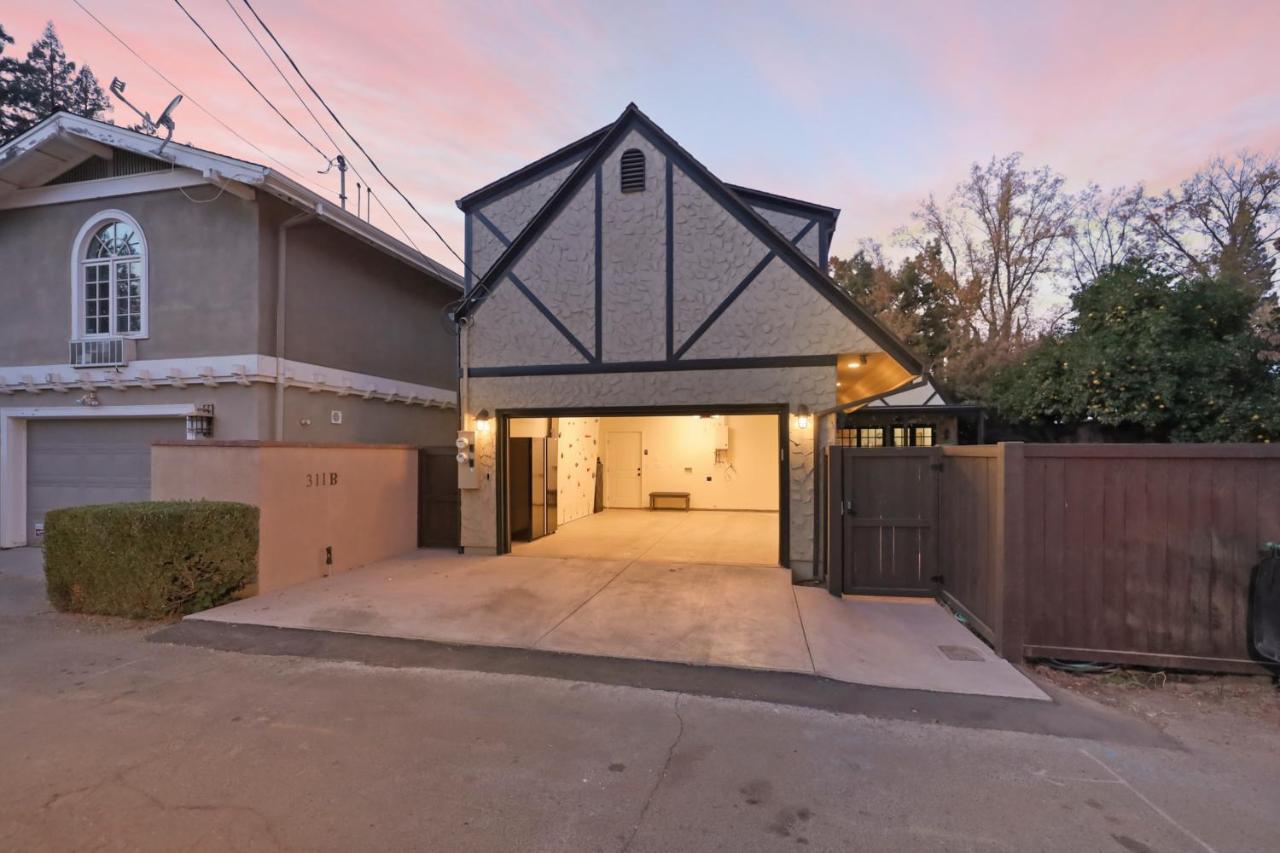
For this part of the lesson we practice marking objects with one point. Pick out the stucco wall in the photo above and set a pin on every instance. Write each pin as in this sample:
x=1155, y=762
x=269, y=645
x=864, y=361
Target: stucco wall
x=202, y=275
x=374, y=421
x=790, y=225
x=361, y=501
x=353, y=307
x=240, y=413
x=812, y=386
x=634, y=259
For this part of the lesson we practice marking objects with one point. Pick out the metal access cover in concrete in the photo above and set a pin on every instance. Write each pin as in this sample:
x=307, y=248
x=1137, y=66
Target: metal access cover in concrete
x=750, y=617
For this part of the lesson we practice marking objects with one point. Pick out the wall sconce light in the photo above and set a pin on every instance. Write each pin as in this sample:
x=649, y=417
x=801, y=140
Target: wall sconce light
x=200, y=422
x=482, y=420
x=802, y=416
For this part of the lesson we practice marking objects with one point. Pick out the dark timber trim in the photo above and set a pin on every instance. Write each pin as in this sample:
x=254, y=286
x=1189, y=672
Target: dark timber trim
x=467, y=278
x=532, y=173
x=782, y=410
x=785, y=204
x=537, y=303
x=599, y=263
x=732, y=296
x=671, y=254
x=633, y=118
x=551, y=317
x=497, y=232
x=758, y=363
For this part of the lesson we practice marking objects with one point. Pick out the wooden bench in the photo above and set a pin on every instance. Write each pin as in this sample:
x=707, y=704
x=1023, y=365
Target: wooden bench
x=681, y=498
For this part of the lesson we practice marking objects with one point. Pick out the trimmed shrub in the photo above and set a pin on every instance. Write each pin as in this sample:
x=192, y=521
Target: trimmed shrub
x=149, y=560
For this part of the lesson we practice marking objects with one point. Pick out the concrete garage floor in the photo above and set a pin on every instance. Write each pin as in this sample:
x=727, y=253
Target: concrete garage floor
x=701, y=536
x=722, y=615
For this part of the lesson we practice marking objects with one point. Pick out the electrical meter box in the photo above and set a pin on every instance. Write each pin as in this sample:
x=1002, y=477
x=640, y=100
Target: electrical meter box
x=468, y=476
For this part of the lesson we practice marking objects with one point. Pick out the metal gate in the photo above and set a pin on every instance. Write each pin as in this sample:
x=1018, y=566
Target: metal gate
x=882, y=536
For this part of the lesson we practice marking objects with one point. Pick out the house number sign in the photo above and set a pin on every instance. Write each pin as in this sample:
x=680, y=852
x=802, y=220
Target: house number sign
x=322, y=478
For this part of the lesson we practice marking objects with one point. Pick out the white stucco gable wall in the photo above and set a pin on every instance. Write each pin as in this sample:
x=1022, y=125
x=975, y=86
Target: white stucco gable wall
x=509, y=214
x=790, y=226
x=634, y=253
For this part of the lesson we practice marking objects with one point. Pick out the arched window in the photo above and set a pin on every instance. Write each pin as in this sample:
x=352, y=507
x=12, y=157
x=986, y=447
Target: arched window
x=633, y=171
x=110, y=268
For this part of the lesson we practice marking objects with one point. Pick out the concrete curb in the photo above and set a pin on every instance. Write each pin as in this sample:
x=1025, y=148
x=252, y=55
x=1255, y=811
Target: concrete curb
x=1066, y=716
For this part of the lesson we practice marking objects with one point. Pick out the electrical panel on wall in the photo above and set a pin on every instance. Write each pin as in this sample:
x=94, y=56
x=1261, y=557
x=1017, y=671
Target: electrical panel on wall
x=468, y=476
x=722, y=443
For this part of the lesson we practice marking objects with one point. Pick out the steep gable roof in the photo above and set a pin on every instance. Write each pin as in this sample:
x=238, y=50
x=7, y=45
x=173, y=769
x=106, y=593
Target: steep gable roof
x=62, y=141
x=604, y=143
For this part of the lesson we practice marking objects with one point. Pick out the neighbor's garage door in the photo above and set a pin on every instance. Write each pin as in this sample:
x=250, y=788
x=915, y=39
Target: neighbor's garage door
x=91, y=461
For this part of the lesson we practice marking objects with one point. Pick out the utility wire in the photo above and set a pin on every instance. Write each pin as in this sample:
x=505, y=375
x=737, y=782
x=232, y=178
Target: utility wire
x=239, y=71
x=392, y=217
x=280, y=71
x=228, y=128
x=354, y=141
x=310, y=112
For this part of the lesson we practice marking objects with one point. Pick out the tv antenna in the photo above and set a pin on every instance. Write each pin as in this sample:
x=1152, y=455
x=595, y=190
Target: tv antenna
x=149, y=126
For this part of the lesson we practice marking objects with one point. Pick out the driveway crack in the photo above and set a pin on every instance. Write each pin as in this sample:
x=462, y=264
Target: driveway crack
x=662, y=776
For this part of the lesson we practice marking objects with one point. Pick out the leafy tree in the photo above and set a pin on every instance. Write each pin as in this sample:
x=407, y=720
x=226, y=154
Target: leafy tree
x=1225, y=220
x=915, y=300
x=44, y=83
x=1150, y=357
x=1002, y=235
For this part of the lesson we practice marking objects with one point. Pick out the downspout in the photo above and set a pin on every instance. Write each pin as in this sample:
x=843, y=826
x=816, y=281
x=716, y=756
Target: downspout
x=281, y=243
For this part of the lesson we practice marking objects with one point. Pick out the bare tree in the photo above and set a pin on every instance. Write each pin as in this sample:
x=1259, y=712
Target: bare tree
x=1108, y=230
x=1003, y=233
x=1225, y=219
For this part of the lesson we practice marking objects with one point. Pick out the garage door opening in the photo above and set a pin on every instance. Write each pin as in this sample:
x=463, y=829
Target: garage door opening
x=706, y=487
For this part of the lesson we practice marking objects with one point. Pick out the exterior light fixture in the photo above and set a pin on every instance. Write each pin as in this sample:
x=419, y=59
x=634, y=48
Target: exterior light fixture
x=482, y=420
x=860, y=361
x=200, y=422
x=802, y=416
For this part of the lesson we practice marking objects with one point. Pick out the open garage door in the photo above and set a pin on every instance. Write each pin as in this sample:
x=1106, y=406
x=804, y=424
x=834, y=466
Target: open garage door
x=704, y=487
x=90, y=461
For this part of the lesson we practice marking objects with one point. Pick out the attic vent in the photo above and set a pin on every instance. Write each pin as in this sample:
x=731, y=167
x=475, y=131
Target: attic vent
x=633, y=171
x=123, y=164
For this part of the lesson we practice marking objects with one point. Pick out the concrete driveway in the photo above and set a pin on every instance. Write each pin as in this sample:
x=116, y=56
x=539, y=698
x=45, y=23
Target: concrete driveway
x=743, y=616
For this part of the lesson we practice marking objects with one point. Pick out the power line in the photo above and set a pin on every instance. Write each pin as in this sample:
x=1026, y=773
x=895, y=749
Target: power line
x=239, y=71
x=354, y=141
x=228, y=128
x=280, y=71
x=392, y=217
x=310, y=112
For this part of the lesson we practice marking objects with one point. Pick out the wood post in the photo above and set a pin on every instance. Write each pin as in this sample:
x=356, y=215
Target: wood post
x=835, y=520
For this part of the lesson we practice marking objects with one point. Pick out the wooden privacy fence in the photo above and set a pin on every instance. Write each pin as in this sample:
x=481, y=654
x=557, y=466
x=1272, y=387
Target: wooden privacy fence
x=1136, y=554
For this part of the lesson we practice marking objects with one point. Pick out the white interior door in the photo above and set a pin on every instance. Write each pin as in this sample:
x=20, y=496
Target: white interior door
x=622, y=465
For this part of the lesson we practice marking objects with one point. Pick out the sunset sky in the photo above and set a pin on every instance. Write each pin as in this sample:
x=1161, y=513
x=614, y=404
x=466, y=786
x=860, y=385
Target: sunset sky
x=864, y=106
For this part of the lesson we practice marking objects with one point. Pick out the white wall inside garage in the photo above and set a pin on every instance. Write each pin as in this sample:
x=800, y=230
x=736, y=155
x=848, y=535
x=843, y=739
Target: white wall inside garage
x=680, y=456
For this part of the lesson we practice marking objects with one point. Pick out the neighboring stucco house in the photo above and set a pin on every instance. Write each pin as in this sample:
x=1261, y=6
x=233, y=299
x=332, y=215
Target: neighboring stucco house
x=619, y=277
x=142, y=292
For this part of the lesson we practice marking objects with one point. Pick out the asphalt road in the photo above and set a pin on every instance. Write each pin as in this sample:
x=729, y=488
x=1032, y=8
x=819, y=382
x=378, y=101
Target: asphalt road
x=111, y=742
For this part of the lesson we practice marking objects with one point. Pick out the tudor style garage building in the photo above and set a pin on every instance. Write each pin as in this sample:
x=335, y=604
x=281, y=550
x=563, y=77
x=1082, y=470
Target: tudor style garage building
x=638, y=332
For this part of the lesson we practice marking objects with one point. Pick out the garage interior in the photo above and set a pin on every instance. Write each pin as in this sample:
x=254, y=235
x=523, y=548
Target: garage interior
x=689, y=488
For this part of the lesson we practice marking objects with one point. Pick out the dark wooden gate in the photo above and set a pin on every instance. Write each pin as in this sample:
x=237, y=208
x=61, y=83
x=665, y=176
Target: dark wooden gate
x=883, y=513
x=438, y=498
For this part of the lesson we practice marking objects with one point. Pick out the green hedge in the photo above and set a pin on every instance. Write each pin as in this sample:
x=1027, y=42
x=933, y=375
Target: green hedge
x=149, y=560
